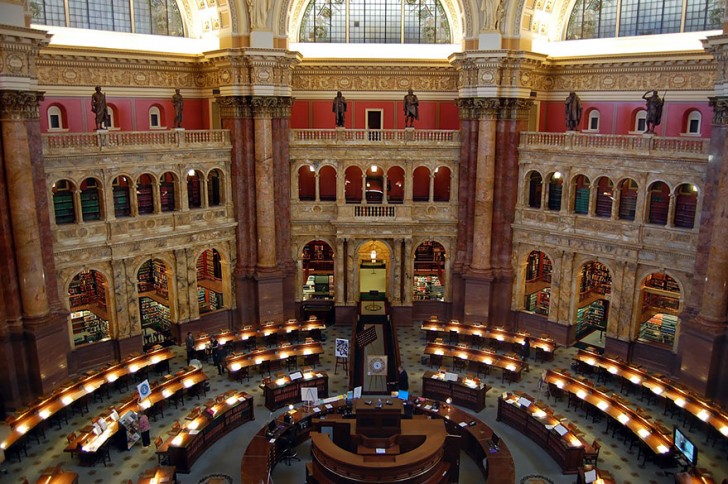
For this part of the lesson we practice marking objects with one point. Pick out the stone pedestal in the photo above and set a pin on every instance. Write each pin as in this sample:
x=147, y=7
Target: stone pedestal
x=269, y=300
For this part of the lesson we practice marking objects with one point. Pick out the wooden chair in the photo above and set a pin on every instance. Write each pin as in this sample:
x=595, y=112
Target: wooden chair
x=591, y=453
x=161, y=456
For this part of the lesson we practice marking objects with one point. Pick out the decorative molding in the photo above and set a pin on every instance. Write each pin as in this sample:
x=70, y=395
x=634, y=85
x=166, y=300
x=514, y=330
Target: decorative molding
x=367, y=76
x=234, y=107
x=19, y=50
x=720, y=109
x=19, y=105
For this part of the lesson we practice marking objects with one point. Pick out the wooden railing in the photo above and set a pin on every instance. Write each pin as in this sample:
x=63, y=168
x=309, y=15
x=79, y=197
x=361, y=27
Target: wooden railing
x=132, y=140
x=635, y=144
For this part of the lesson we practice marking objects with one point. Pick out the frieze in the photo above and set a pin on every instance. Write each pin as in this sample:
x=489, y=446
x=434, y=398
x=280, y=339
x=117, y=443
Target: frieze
x=19, y=105
x=374, y=78
x=19, y=49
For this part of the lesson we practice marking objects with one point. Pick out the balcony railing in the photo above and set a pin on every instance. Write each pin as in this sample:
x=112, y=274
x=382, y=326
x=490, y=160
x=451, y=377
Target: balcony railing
x=365, y=136
x=696, y=148
x=375, y=211
x=133, y=140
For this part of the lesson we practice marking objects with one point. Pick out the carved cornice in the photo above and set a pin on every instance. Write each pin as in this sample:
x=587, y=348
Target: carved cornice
x=720, y=109
x=19, y=105
x=19, y=50
x=235, y=107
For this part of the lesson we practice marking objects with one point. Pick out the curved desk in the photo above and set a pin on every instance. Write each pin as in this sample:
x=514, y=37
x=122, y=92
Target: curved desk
x=499, y=465
x=425, y=463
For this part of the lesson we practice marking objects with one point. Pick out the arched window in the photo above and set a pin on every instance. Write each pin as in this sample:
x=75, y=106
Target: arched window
x=155, y=118
x=352, y=188
x=395, y=185
x=535, y=187
x=556, y=186
x=592, y=19
x=194, y=197
x=693, y=123
x=214, y=189
x=593, y=123
x=659, y=203
x=111, y=116
x=421, y=184
x=55, y=119
x=375, y=21
x=605, y=197
x=307, y=183
x=640, y=121
x=167, y=192
x=63, y=203
x=327, y=184
x=122, y=204
x=441, y=184
x=145, y=194
x=627, y=199
x=686, y=202
x=90, y=200
x=157, y=17
x=582, y=191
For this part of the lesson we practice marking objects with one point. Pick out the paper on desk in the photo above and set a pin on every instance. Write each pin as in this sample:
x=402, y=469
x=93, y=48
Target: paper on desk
x=316, y=409
x=329, y=406
x=381, y=451
x=463, y=424
x=272, y=441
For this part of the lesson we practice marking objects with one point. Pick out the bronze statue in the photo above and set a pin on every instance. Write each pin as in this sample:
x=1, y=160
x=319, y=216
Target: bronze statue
x=573, y=111
x=654, y=110
x=339, y=109
x=411, y=108
x=98, y=106
x=178, y=103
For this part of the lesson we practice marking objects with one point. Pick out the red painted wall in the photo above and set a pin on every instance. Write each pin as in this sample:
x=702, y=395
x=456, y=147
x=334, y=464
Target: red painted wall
x=130, y=114
x=619, y=117
x=317, y=114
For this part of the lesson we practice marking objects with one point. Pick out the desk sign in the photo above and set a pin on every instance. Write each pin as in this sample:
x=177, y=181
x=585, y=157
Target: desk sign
x=144, y=389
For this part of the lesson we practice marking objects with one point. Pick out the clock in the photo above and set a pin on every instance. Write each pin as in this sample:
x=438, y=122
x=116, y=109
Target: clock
x=377, y=365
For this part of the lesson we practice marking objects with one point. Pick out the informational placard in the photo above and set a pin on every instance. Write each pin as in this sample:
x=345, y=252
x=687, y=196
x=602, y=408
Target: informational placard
x=144, y=390
x=342, y=348
x=377, y=365
x=309, y=395
x=357, y=392
x=366, y=336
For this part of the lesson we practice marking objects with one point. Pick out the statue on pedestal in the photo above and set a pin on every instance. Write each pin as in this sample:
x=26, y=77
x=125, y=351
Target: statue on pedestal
x=654, y=110
x=573, y=111
x=339, y=109
x=178, y=103
x=411, y=109
x=99, y=108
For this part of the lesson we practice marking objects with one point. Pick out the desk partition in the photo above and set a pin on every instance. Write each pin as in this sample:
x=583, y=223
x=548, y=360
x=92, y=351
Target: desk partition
x=488, y=332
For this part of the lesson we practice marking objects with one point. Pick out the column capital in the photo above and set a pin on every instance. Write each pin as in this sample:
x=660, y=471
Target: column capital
x=19, y=105
x=271, y=106
x=487, y=108
x=720, y=109
x=515, y=108
x=235, y=107
x=466, y=108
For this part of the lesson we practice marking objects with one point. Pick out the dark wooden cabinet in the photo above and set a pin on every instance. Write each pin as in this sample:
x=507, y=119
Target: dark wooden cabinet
x=462, y=394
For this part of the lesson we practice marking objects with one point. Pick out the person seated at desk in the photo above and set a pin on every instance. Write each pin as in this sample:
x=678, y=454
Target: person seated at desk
x=403, y=379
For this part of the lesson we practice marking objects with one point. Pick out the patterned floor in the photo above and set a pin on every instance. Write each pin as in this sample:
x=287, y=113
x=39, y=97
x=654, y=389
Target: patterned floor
x=225, y=456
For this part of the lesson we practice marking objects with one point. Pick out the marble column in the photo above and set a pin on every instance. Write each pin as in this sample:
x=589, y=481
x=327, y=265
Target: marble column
x=703, y=323
x=264, y=186
x=339, y=272
x=484, y=183
x=236, y=116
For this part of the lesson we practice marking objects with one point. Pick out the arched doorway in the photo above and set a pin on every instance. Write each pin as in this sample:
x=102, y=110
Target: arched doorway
x=209, y=281
x=538, y=283
x=373, y=263
x=660, y=305
x=429, y=276
x=154, y=301
x=594, y=286
x=318, y=270
x=87, y=298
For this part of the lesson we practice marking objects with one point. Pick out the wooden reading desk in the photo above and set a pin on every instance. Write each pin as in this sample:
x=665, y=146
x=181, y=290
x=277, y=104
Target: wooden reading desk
x=236, y=362
x=512, y=366
x=287, y=390
x=466, y=392
x=56, y=475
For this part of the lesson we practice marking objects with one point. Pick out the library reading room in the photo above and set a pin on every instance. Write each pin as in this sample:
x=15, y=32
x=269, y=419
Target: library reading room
x=363, y=241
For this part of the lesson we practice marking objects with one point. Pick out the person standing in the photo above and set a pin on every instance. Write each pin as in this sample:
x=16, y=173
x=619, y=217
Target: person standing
x=339, y=109
x=178, y=104
x=190, y=342
x=220, y=358
x=526, y=348
x=411, y=108
x=144, y=428
x=403, y=380
x=99, y=108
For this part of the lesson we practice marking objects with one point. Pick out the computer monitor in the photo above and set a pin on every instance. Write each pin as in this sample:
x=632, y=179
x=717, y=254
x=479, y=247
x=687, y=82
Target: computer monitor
x=272, y=426
x=495, y=440
x=685, y=447
x=403, y=395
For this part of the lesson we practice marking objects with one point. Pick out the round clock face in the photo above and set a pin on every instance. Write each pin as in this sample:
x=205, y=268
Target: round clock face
x=377, y=365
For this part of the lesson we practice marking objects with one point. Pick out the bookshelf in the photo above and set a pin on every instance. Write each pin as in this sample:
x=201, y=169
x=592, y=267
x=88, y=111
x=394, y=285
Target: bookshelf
x=90, y=205
x=166, y=196
x=685, y=210
x=660, y=328
x=554, y=201
x=627, y=205
x=154, y=314
x=122, y=207
x=145, y=199
x=595, y=278
x=159, y=276
x=63, y=207
x=604, y=204
x=581, y=201
x=193, y=192
x=428, y=288
x=591, y=317
x=659, y=204
x=87, y=301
